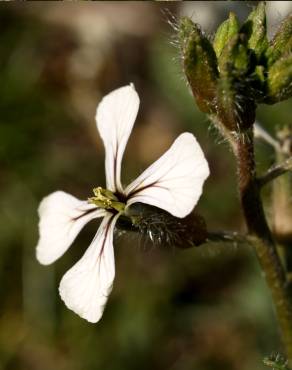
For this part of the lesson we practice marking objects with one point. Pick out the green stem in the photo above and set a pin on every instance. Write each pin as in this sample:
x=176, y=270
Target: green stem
x=260, y=236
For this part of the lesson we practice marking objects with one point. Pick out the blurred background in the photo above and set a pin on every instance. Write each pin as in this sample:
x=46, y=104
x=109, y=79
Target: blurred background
x=203, y=308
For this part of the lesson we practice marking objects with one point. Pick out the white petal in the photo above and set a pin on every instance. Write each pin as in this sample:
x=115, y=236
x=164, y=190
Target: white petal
x=62, y=216
x=86, y=286
x=115, y=118
x=175, y=181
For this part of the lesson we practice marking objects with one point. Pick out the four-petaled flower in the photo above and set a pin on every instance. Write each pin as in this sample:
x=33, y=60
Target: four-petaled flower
x=173, y=183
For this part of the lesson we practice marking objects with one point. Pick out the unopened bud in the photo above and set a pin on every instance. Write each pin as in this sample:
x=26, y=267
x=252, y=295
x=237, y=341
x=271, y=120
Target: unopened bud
x=236, y=108
x=282, y=42
x=255, y=28
x=199, y=62
x=225, y=32
x=279, y=80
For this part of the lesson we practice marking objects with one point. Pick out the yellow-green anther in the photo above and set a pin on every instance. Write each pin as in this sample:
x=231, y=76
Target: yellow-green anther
x=282, y=42
x=280, y=80
x=200, y=64
x=104, y=193
x=106, y=199
x=225, y=32
x=255, y=28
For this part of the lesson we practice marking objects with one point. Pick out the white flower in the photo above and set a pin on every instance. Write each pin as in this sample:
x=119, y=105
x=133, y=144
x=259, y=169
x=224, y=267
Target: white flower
x=174, y=183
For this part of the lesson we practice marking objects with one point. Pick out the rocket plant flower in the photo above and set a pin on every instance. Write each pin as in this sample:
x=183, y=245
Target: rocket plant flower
x=173, y=183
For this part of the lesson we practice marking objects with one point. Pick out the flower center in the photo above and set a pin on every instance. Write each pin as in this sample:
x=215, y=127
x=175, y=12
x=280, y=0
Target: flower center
x=106, y=199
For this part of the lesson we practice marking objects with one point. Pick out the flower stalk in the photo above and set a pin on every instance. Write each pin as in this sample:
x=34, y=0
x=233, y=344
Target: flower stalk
x=261, y=238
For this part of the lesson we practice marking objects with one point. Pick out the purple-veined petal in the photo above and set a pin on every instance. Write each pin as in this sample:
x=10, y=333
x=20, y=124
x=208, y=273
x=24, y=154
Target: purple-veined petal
x=115, y=118
x=86, y=286
x=62, y=216
x=175, y=181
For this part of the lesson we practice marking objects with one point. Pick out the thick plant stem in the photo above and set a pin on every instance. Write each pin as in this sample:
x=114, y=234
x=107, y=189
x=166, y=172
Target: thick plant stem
x=261, y=238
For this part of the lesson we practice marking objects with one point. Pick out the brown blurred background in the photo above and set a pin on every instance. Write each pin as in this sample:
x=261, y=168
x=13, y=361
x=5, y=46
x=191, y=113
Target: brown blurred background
x=205, y=308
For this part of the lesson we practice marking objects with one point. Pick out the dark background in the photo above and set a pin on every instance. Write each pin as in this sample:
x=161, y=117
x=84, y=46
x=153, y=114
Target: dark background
x=204, y=308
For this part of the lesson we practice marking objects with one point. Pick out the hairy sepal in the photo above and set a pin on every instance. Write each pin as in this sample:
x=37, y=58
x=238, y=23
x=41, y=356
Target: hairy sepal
x=279, y=81
x=159, y=227
x=281, y=43
x=235, y=108
x=199, y=62
x=255, y=28
x=224, y=33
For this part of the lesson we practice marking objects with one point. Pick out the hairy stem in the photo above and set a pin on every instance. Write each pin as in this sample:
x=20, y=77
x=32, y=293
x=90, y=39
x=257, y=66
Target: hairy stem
x=224, y=132
x=260, y=236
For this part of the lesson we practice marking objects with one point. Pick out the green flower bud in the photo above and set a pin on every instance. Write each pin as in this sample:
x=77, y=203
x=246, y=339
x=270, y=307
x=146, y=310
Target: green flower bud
x=225, y=32
x=241, y=71
x=199, y=61
x=279, y=80
x=282, y=41
x=235, y=106
x=255, y=28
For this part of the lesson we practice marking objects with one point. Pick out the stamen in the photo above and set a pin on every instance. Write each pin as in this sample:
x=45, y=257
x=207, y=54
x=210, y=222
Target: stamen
x=106, y=199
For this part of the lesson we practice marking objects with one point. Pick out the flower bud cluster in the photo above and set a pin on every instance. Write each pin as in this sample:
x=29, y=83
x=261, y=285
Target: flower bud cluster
x=239, y=69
